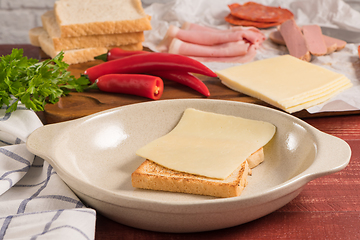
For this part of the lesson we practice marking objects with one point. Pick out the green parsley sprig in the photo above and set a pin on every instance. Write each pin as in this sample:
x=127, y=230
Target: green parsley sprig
x=35, y=83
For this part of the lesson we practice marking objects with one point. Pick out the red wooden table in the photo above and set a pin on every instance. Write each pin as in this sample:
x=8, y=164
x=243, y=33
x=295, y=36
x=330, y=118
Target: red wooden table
x=327, y=208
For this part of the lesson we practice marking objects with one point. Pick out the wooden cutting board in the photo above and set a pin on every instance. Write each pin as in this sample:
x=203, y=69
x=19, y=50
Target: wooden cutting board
x=82, y=104
x=78, y=105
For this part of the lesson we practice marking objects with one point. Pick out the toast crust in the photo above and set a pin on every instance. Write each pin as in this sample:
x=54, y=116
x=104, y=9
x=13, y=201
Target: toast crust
x=98, y=41
x=150, y=175
x=155, y=177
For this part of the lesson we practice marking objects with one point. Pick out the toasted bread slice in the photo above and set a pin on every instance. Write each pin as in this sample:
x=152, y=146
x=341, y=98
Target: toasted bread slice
x=150, y=175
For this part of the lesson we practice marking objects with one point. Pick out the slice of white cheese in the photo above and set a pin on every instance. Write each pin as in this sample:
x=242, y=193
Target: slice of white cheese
x=340, y=84
x=284, y=81
x=319, y=99
x=208, y=144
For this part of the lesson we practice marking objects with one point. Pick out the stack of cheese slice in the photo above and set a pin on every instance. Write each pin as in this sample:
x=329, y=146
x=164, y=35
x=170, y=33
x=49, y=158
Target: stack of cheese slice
x=285, y=82
x=85, y=29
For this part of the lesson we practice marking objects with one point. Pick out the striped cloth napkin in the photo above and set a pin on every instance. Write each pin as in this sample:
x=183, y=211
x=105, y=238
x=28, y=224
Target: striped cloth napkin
x=34, y=202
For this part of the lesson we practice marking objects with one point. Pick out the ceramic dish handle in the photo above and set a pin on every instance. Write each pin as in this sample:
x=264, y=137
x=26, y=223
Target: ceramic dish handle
x=41, y=140
x=333, y=153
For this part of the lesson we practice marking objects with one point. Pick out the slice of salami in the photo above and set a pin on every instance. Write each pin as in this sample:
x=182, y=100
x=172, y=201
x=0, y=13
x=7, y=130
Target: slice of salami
x=256, y=12
x=284, y=15
x=241, y=22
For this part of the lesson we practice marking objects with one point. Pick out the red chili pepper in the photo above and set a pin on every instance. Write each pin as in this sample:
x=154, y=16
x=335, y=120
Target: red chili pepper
x=142, y=63
x=184, y=78
x=135, y=84
x=116, y=53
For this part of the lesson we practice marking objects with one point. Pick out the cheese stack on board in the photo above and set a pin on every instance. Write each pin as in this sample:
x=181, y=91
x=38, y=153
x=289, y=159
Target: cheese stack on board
x=84, y=29
x=285, y=82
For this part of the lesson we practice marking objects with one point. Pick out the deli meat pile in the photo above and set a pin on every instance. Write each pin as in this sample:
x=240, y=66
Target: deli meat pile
x=237, y=44
x=305, y=41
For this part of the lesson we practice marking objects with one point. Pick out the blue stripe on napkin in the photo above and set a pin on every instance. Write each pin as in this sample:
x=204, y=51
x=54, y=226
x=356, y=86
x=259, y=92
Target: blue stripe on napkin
x=34, y=202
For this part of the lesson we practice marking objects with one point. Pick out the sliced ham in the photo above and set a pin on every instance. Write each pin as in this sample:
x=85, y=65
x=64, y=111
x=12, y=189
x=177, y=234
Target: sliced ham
x=210, y=44
x=251, y=34
x=230, y=49
x=207, y=36
x=210, y=38
x=294, y=39
x=249, y=56
x=163, y=46
x=314, y=40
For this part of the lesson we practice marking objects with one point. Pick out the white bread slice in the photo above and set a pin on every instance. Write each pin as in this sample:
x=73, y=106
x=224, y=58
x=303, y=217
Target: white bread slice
x=256, y=158
x=150, y=175
x=93, y=17
x=49, y=23
x=104, y=40
x=34, y=34
x=80, y=55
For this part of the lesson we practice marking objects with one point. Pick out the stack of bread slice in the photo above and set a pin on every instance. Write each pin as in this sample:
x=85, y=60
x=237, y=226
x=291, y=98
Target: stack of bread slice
x=85, y=29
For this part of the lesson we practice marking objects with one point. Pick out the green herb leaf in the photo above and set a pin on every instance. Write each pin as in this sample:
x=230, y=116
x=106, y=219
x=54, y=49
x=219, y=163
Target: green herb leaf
x=35, y=83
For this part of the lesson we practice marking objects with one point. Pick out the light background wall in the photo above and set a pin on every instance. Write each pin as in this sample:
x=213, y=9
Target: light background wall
x=17, y=17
